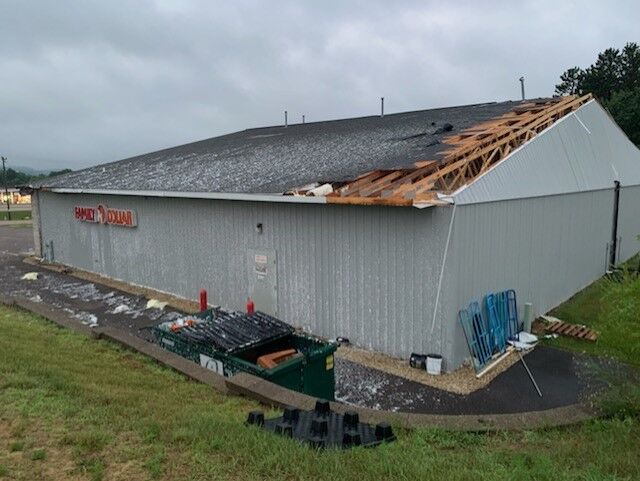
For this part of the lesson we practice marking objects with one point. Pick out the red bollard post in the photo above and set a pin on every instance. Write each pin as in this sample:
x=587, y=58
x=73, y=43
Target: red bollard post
x=203, y=300
x=250, y=306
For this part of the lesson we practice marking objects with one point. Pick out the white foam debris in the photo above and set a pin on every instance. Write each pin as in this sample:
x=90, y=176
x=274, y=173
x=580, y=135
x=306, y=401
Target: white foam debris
x=87, y=319
x=322, y=190
x=122, y=308
x=155, y=304
x=35, y=298
x=525, y=341
x=30, y=276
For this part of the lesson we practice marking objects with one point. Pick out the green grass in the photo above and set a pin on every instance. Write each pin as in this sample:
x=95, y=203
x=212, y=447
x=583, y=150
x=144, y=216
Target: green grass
x=15, y=214
x=38, y=455
x=611, y=307
x=98, y=411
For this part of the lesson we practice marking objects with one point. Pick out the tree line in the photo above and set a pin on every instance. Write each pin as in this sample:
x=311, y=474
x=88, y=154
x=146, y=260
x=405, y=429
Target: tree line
x=15, y=177
x=613, y=79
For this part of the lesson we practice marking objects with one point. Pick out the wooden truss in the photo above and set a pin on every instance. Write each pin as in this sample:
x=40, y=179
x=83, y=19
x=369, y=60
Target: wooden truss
x=470, y=154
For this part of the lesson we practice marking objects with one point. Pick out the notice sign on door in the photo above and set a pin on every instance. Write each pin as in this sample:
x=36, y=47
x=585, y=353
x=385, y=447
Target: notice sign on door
x=260, y=265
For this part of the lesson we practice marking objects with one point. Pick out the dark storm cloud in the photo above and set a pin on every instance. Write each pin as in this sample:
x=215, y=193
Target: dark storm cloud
x=84, y=82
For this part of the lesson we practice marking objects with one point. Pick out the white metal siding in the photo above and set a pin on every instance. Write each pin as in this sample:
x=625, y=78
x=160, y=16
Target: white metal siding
x=369, y=274
x=546, y=248
x=629, y=222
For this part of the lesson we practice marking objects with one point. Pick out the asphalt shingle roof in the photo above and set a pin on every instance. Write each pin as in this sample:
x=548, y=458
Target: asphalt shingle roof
x=276, y=159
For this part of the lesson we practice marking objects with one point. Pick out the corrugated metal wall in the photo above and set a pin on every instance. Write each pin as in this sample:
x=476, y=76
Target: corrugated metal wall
x=369, y=274
x=540, y=222
x=546, y=248
x=629, y=222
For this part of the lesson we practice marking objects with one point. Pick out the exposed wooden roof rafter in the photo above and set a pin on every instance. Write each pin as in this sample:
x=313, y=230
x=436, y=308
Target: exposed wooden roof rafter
x=470, y=154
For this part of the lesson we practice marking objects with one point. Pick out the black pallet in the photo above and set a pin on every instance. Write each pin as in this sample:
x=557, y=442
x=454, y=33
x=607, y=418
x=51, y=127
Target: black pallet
x=322, y=428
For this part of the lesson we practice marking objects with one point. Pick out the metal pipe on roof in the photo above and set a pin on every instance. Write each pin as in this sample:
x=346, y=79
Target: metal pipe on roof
x=381, y=106
x=286, y=123
x=522, y=87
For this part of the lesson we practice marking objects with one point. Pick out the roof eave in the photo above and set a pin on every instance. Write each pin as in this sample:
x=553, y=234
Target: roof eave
x=238, y=196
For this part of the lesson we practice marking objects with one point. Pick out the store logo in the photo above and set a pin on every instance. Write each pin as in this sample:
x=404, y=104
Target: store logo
x=104, y=215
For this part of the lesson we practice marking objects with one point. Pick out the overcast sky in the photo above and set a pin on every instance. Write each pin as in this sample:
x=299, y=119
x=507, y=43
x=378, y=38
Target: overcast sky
x=84, y=82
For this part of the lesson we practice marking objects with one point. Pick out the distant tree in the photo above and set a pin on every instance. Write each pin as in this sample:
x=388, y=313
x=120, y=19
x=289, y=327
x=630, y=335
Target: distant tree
x=570, y=82
x=625, y=109
x=605, y=76
x=630, y=60
x=53, y=173
x=614, y=79
x=15, y=177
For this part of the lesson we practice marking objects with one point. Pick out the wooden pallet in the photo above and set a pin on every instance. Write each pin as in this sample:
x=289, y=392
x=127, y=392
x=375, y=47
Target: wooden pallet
x=556, y=326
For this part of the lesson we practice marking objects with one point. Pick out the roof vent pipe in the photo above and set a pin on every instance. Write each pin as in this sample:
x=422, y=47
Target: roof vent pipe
x=381, y=106
x=522, y=87
x=286, y=123
x=303, y=118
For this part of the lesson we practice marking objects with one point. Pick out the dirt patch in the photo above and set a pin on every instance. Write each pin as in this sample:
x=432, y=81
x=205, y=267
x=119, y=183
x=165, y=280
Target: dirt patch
x=17, y=445
x=461, y=381
x=179, y=303
x=19, y=440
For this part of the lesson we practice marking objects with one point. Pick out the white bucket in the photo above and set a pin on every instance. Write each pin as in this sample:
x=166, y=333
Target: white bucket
x=434, y=364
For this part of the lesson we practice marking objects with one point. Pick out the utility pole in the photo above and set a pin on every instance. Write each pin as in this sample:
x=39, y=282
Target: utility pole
x=6, y=187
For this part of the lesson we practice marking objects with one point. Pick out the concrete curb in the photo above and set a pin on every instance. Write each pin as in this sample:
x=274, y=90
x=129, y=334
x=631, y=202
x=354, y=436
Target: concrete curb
x=57, y=316
x=273, y=395
x=178, y=363
x=277, y=396
x=15, y=222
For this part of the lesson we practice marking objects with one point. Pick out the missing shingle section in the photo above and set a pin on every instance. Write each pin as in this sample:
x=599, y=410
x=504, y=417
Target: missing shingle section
x=446, y=127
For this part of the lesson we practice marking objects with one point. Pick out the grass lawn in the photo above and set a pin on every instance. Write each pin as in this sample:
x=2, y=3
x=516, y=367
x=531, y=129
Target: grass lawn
x=77, y=408
x=15, y=214
x=613, y=309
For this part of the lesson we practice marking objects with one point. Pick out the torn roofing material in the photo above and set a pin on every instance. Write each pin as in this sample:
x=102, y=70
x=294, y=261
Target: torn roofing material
x=468, y=155
x=414, y=158
x=277, y=159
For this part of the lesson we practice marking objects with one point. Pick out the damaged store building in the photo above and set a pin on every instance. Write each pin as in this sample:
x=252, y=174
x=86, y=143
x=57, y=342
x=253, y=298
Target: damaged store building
x=378, y=229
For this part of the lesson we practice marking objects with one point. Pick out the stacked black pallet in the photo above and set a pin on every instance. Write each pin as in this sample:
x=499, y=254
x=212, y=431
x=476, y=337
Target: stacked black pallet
x=232, y=331
x=323, y=428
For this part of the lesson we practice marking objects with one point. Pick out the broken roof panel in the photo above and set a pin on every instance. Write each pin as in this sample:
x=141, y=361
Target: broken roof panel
x=413, y=158
x=468, y=155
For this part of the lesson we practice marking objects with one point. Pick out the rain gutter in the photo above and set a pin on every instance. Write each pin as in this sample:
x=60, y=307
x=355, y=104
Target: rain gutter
x=193, y=195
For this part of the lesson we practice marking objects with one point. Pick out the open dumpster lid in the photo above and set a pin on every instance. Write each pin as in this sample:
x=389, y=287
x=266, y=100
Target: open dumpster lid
x=231, y=332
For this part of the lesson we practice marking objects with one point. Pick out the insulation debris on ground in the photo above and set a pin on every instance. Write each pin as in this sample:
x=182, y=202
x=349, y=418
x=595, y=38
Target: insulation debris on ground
x=156, y=304
x=30, y=276
x=461, y=381
x=122, y=308
x=176, y=302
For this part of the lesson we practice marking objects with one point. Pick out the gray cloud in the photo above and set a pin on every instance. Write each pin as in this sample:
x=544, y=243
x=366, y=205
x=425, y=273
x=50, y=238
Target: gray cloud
x=87, y=82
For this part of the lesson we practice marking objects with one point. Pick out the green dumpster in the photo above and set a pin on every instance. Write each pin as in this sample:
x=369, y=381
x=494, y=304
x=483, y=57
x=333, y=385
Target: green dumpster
x=311, y=371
